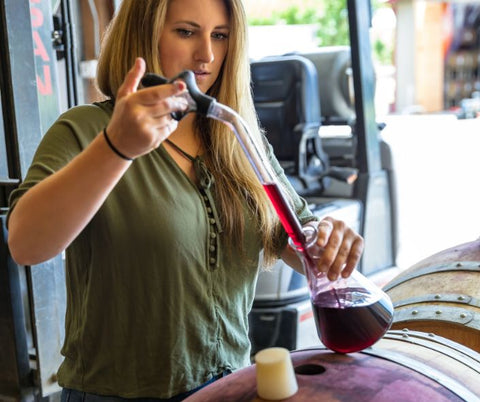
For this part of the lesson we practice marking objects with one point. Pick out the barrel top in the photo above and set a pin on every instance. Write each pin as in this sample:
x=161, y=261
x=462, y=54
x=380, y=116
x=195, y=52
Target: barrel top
x=377, y=373
x=417, y=271
x=469, y=251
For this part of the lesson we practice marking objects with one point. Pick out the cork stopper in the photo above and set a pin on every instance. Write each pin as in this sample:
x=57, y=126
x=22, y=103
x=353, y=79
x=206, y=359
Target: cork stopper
x=275, y=376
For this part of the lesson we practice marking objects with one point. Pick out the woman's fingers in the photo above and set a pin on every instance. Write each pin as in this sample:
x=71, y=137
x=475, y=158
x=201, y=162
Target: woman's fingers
x=142, y=118
x=324, y=228
x=354, y=256
x=132, y=79
x=165, y=127
x=342, y=248
x=164, y=104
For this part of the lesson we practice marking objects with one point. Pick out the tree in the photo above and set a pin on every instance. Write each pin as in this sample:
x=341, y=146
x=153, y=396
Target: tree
x=333, y=24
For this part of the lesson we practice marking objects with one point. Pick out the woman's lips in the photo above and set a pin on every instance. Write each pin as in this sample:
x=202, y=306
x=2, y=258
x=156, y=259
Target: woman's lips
x=201, y=74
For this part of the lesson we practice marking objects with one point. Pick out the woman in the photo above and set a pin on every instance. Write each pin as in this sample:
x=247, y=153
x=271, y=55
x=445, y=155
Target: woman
x=162, y=222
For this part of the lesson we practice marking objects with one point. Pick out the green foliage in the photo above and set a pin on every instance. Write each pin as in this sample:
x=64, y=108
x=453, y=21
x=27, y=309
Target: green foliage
x=382, y=53
x=332, y=19
x=291, y=16
x=333, y=24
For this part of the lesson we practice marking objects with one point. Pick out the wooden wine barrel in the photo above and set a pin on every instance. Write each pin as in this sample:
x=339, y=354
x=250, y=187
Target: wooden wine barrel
x=441, y=294
x=407, y=366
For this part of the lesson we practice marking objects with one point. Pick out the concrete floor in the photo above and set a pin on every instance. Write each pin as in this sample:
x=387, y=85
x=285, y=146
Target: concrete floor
x=437, y=163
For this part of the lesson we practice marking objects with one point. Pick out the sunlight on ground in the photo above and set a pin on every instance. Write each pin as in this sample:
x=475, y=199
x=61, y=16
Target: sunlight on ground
x=436, y=159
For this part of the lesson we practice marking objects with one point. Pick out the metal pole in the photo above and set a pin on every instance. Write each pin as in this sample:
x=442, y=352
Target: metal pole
x=373, y=186
x=359, y=16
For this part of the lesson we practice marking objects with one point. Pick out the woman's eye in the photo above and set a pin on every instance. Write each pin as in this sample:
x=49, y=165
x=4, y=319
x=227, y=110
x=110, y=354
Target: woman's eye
x=220, y=35
x=184, y=32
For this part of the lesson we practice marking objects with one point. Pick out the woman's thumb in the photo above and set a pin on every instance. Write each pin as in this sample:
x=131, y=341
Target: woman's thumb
x=132, y=79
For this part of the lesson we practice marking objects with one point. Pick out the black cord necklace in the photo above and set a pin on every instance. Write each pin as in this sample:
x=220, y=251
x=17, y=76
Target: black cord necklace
x=180, y=150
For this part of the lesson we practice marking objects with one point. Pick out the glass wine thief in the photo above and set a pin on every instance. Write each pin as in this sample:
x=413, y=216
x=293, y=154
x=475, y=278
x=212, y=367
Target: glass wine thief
x=208, y=106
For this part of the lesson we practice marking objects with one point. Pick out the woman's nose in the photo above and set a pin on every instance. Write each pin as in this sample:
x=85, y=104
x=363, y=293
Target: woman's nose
x=204, y=51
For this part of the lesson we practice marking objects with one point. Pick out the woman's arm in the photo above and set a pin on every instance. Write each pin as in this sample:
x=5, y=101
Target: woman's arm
x=48, y=217
x=52, y=213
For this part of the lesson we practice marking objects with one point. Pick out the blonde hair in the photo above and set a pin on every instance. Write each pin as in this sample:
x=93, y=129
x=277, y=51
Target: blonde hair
x=135, y=32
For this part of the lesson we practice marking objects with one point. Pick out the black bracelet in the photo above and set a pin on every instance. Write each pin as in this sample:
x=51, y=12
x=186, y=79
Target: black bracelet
x=112, y=147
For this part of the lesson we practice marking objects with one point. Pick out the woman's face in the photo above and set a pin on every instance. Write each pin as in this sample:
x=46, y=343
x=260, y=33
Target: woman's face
x=195, y=37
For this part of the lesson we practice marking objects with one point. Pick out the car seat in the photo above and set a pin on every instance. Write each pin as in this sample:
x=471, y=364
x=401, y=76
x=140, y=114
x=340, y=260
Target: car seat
x=285, y=92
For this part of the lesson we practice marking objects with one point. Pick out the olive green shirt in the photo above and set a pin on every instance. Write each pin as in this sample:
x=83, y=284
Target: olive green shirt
x=156, y=305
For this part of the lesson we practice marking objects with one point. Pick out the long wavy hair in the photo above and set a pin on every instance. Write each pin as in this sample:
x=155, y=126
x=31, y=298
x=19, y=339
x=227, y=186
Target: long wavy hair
x=135, y=31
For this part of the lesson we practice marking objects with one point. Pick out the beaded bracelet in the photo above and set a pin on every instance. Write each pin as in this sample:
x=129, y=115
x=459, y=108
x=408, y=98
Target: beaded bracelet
x=112, y=147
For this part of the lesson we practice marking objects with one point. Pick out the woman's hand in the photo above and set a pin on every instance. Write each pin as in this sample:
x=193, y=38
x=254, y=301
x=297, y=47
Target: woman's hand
x=142, y=118
x=342, y=248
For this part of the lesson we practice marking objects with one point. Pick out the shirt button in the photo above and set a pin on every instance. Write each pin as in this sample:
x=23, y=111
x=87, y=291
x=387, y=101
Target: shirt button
x=212, y=221
x=212, y=261
x=209, y=210
x=213, y=235
x=212, y=248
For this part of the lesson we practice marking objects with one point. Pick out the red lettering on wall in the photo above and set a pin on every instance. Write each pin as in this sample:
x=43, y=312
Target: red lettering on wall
x=37, y=17
x=44, y=75
x=39, y=48
x=45, y=85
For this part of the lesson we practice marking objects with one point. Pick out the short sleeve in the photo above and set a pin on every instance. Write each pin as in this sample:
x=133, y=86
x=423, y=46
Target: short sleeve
x=72, y=132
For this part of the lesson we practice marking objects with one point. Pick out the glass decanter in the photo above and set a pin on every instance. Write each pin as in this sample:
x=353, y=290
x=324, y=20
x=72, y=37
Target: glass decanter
x=351, y=313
